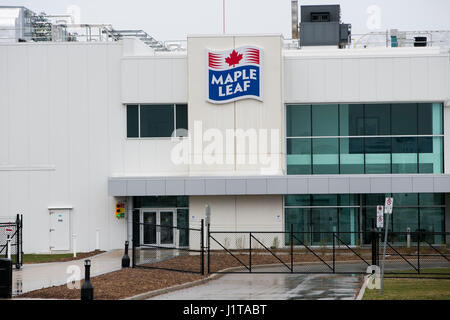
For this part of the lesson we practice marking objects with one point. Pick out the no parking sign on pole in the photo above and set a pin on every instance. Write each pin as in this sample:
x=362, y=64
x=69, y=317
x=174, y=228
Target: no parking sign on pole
x=380, y=217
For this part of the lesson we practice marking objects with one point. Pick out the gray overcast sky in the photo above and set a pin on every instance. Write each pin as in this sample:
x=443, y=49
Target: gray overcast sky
x=174, y=19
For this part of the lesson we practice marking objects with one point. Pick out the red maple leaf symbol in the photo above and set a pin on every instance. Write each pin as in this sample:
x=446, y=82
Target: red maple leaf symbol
x=233, y=59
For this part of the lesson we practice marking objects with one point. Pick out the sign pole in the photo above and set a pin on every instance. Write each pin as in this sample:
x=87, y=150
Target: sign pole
x=387, y=210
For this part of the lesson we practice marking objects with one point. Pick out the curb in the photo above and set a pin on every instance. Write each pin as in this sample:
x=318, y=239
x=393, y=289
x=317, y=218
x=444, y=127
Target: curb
x=363, y=289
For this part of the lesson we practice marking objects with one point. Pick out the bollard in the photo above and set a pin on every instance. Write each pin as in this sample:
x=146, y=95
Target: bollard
x=74, y=245
x=8, y=247
x=126, y=258
x=87, y=290
x=408, y=237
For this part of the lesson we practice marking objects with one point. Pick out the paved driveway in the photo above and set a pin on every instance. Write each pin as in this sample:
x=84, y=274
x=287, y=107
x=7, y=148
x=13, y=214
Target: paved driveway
x=272, y=287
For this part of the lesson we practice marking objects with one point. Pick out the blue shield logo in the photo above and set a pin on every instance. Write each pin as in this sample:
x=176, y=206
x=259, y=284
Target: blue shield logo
x=234, y=74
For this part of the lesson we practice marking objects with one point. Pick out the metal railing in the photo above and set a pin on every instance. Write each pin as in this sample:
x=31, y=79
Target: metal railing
x=12, y=232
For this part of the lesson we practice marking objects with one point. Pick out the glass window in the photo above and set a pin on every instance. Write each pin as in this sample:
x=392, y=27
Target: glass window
x=132, y=121
x=324, y=200
x=351, y=119
x=325, y=120
x=425, y=116
x=406, y=199
x=299, y=156
x=298, y=121
x=323, y=222
x=404, y=219
x=157, y=121
x=404, y=119
x=181, y=120
x=378, y=155
x=404, y=155
x=431, y=199
x=299, y=218
x=351, y=155
x=297, y=200
x=432, y=220
x=325, y=156
x=430, y=155
x=437, y=118
x=377, y=119
x=183, y=222
x=348, y=225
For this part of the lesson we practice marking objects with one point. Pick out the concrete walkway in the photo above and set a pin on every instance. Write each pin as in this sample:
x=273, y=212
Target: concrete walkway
x=272, y=287
x=41, y=275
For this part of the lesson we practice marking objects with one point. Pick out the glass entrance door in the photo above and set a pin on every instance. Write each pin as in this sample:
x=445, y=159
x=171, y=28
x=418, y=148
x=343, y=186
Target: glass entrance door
x=157, y=228
x=167, y=230
x=149, y=227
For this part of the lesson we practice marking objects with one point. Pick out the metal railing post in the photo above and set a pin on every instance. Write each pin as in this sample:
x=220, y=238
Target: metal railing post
x=208, y=243
x=418, y=251
x=292, y=247
x=250, y=253
x=334, y=258
x=202, y=248
x=133, y=253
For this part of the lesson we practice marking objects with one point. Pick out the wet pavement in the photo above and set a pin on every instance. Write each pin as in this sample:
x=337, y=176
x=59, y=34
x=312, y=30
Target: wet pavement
x=41, y=275
x=272, y=287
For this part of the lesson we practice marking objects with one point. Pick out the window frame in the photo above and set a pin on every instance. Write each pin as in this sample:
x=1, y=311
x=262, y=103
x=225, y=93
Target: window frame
x=364, y=136
x=174, y=106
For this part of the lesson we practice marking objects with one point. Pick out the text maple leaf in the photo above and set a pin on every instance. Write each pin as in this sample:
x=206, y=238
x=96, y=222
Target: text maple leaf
x=234, y=58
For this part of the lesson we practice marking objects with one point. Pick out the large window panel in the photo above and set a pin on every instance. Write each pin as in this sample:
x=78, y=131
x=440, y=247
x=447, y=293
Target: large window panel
x=432, y=220
x=132, y=121
x=181, y=120
x=323, y=223
x=351, y=119
x=377, y=119
x=437, y=118
x=404, y=219
x=298, y=120
x=325, y=156
x=351, y=155
x=431, y=155
x=157, y=121
x=404, y=119
x=348, y=225
x=325, y=120
x=404, y=155
x=299, y=218
x=299, y=156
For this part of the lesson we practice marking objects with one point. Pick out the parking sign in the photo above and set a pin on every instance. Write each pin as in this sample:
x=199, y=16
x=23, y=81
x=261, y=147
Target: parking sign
x=380, y=218
x=388, y=204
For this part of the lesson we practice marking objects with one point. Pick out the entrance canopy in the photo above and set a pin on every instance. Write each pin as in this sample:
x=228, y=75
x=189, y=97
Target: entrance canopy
x=273, y=185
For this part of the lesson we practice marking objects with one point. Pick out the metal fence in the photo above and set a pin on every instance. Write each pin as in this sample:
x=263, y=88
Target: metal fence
x=12, y=231
x=168, y=247
x=418, y=253
x=203, y=251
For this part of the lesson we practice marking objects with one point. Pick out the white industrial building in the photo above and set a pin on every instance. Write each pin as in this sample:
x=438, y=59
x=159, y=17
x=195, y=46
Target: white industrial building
x=84, y=125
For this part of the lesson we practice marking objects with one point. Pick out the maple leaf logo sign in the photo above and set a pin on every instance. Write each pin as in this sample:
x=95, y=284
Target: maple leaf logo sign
x=233, y=59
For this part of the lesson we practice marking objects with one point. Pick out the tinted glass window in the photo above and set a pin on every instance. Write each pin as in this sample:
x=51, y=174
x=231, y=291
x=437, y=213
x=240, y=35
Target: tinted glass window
x=325, y=120
x=377, y=119
x=404, y=119
x=298, y=121
x=157, y=120
x=182, y=119
x=132, y=121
